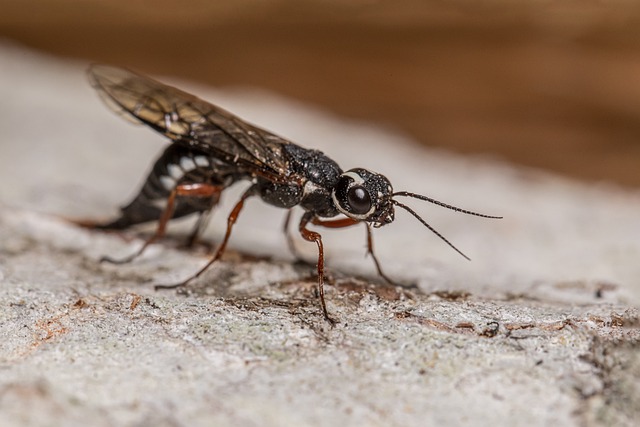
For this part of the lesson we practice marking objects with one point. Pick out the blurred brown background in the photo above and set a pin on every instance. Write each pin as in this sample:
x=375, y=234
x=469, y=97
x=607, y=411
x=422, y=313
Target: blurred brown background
x=542, y=83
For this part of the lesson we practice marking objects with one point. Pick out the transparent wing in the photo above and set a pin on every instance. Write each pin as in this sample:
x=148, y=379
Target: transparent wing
x=189, y=120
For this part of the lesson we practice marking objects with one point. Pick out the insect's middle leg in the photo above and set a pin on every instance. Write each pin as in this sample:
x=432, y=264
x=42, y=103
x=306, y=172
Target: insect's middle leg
x=182, y=190
x=231, y=220
x=290, y=242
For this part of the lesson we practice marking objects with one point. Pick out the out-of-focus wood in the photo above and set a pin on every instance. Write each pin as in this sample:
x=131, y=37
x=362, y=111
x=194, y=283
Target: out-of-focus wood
x=548, y=85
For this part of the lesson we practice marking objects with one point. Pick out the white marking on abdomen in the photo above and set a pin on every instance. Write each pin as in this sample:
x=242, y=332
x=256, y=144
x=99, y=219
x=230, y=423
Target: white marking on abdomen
x=167, y=182
x=175, y=171
x=187, y=164
x=201, y=161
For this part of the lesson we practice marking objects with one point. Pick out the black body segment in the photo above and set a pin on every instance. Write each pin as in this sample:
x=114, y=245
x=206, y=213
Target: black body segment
x=320, y=175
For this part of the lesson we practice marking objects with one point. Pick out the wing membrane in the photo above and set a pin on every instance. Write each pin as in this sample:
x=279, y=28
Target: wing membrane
x=188, y=120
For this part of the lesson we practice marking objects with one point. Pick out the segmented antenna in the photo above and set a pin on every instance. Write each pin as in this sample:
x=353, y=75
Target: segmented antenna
x=444, y=205
x=412, y=212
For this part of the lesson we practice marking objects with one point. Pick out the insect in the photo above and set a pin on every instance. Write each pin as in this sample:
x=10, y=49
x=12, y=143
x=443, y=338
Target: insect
x=211, y=149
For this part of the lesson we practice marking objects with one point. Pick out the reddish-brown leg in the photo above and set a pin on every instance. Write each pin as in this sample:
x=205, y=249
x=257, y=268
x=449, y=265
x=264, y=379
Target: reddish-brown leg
x=231, y=220
x=184, y=190
x=346, y=222
x=313, y=236
x=375, y=258
x=334, y=223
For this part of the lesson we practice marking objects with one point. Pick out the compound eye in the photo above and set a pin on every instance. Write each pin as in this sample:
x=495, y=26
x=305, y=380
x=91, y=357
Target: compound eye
x=359, y=200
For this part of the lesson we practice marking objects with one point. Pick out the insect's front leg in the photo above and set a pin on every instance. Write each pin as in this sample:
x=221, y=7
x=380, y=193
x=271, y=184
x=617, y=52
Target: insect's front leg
x=182, y=190
x=231, y=220
x=346, y=222
x=313, y=236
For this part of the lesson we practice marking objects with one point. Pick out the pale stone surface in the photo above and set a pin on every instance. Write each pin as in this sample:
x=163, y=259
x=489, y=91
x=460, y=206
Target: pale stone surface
x=539, y=329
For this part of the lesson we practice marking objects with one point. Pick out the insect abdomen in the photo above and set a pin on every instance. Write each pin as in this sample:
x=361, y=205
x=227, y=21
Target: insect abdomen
x=177, y=165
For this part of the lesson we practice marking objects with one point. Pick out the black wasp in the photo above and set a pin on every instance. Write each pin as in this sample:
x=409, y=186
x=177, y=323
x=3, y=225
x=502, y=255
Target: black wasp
x=211, y=149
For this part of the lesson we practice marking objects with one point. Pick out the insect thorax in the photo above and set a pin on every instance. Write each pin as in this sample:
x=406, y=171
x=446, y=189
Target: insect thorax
x=315, y=174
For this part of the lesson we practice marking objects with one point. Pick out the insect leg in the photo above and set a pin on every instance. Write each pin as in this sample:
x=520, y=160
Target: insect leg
x=231, y=220
x=334, y=223
x=346, y=222
x=313, y=236
x=201, y=223
x=374, y=257
x=188, y=190
x=290, y=242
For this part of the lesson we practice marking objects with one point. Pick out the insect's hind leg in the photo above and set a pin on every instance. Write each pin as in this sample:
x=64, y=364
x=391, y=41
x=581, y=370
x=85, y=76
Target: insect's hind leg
x=231, y=220
x=181, y=190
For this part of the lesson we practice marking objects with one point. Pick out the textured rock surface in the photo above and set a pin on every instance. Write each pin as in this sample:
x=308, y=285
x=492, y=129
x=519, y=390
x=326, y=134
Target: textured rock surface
x=539, y=329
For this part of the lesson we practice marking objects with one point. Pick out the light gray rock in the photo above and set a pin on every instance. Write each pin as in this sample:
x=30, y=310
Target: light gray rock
x=539, y=329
